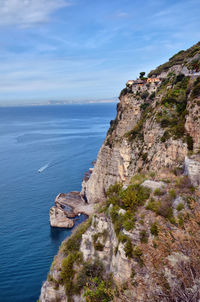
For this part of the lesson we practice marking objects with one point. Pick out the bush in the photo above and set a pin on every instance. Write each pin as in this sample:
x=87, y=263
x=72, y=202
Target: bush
x=67, y=274
x=196, y=89
x=138, y=179
x=180, y=206
x=153, y=205
x=165, y=136
x=152, y=96
x=143, y=236
x=189, y=140
x=137, y=254
x=154, y=229
x=123, y=93
x=164, y=123
x=158, y=192
x=98, y=246
x=144, y=95
x=172, y=194
x=144, y=106
x=98, y=290
x=128, y=221
x=128, y=248
x=165, y=208
x=134, y=196
x=114, y=190
x=89, y=270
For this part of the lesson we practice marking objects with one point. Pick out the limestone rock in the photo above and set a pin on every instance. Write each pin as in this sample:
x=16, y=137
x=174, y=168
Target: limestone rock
x=49, y=294
x=192, y=169
x=59, y=219
x=153, y=185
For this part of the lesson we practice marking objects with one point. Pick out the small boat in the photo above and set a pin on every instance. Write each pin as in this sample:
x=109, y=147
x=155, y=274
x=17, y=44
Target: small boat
x=43, y=168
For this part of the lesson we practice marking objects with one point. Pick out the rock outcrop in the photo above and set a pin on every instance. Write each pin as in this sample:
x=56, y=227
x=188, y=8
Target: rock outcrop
x=192, y=169
x=59, y=219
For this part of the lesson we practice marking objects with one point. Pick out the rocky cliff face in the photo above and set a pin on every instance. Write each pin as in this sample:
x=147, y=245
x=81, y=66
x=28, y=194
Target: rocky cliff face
x=141, y=243
x=154, y=144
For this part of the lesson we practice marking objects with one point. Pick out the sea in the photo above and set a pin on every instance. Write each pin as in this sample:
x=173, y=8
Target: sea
x=60, y=142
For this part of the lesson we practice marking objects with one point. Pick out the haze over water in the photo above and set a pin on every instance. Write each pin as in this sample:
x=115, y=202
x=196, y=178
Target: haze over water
x=61, y=141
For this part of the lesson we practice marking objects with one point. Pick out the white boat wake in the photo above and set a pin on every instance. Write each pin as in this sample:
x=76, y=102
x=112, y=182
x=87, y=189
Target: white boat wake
x=43, y=168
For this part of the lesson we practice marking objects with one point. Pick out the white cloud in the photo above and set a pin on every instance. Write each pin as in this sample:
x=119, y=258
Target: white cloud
x=122, y=15
x=25, y=13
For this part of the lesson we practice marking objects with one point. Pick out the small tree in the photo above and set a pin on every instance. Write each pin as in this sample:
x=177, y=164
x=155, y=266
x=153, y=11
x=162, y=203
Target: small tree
x=142, y=74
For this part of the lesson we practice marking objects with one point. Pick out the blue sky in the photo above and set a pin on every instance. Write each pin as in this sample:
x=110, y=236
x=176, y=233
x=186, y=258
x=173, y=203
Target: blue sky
x=87, y=49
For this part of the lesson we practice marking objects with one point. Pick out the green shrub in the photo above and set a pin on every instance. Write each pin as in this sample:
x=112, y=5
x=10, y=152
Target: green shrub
x=152, y=96
x=172, y=194
x=128, y=248
x=137, y=254
x=98, y=246
x=67, y=274
x=138, y=179
x=180, y=206
x=181, y=220
x=133, y=273
x=158, y=192
x=165, y=209
x=89, y=270
x=153, y=205
x=123, y=93
x=143, y=236
x=189, y=140
x=114, y=190
x=122, y=237
x=144, y=156
x=165, y=137
x=134, y=196
x=98, y=290
x=164, y=123
x=144, y=106
x=154, y=229
x=128, y=221
x=196, y=89
x=144, y=95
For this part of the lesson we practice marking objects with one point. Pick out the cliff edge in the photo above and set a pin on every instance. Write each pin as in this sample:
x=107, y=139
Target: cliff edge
x=141, y=243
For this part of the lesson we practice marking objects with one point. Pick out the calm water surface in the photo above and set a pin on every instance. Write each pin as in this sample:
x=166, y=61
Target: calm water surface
x=62, y=141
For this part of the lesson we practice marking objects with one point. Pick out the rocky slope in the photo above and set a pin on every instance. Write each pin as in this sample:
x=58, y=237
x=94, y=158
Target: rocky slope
x=142, y=242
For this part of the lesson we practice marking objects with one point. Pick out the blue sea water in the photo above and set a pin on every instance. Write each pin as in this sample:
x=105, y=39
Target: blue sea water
x=62, y=141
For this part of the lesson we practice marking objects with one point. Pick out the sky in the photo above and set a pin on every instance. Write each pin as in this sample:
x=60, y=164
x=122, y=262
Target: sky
x=87, y=49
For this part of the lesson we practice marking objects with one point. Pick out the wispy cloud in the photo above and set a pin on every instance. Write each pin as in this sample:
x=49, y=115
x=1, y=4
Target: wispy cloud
x=122, y=15
x=25, y=13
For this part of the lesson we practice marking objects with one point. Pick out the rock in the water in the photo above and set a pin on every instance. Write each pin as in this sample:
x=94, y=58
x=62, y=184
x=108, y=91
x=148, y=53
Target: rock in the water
x=153, y=185
x=59, y=219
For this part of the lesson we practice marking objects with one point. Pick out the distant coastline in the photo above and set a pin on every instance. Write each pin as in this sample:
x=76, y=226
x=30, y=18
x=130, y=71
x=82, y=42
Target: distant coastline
x=56, y=103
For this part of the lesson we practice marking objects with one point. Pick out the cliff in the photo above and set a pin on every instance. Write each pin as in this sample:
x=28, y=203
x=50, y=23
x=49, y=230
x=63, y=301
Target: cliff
x=141, y=244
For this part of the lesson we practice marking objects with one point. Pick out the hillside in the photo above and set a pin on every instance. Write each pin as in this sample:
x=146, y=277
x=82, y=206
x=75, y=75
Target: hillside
x=141, y=243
